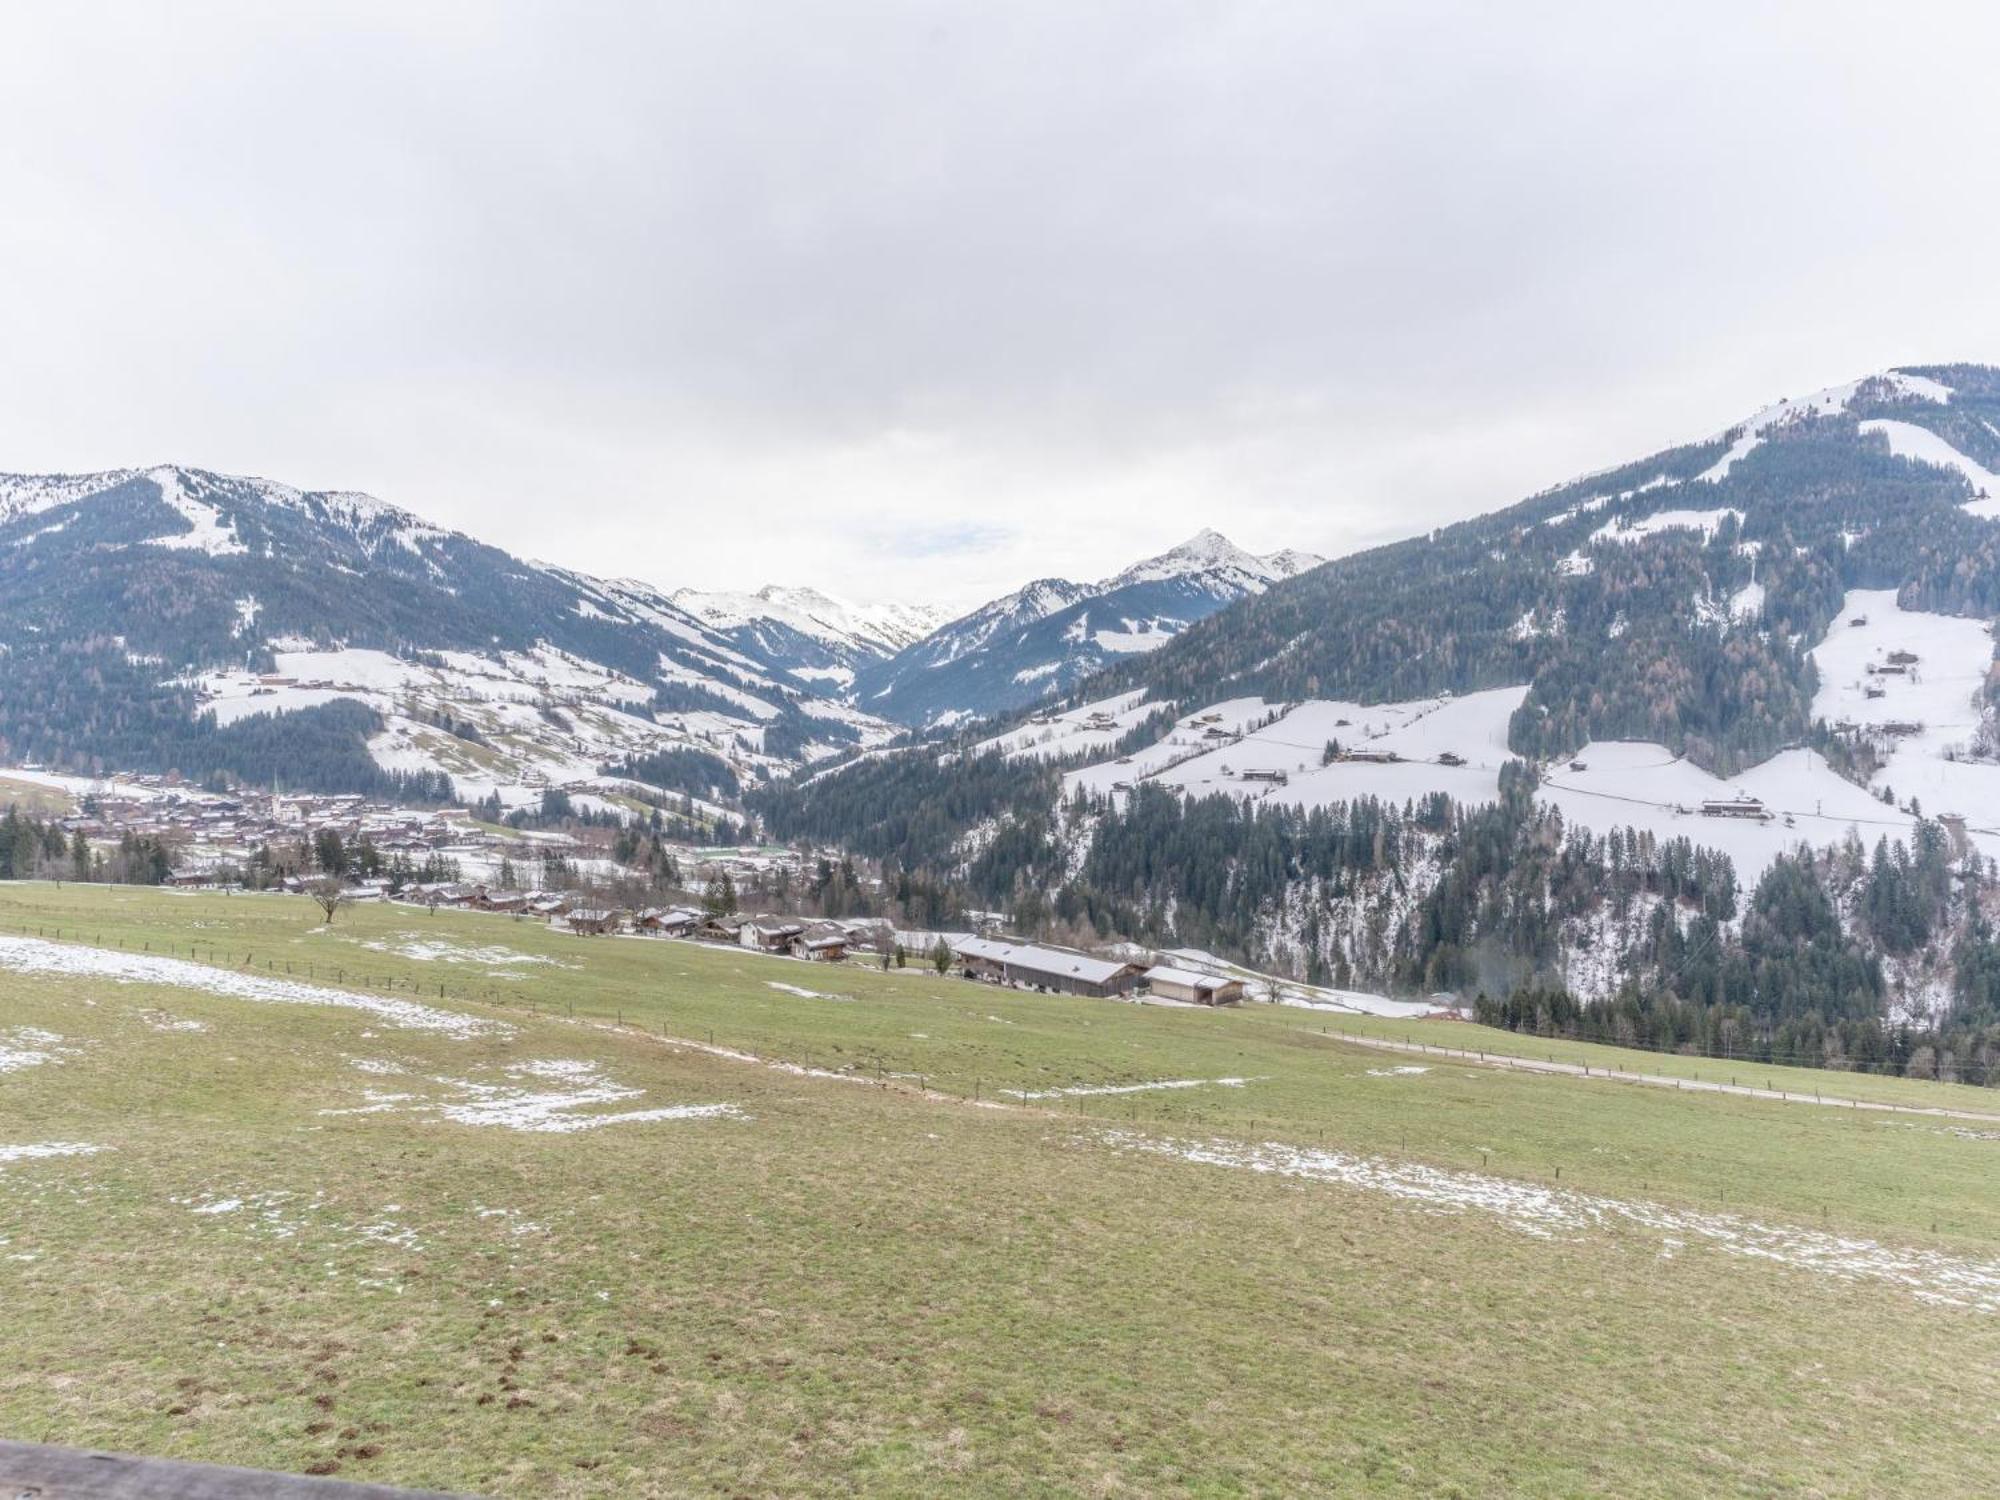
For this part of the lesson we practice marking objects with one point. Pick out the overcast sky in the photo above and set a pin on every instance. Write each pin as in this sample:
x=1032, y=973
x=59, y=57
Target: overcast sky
x=924, y=300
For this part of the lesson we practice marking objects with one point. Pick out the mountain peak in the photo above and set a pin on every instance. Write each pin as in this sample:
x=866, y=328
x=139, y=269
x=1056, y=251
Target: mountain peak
x=1208, y=551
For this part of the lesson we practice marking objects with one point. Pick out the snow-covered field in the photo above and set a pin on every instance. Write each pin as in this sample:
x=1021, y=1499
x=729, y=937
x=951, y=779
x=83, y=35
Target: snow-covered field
x=1474, y=728
x=546, y=717
x=1620, y=784
x=1645, y=786
x=1074, y=729
x=1194, y=736
x=1938, y=692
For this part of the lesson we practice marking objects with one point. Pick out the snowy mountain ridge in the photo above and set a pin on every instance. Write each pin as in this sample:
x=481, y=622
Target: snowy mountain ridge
x=882, y=627
x=1045, y=636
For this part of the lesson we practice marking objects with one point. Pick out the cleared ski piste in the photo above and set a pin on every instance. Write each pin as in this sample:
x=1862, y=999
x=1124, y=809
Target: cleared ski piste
x=751, y=1239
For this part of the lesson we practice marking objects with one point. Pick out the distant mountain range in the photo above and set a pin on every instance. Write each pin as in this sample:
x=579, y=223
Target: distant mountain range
x=1040, y=640
x=177, y=618
x=812, y=635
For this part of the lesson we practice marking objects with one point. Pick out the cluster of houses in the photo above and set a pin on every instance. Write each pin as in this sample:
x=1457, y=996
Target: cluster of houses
x=214, y=831
x=992, y=960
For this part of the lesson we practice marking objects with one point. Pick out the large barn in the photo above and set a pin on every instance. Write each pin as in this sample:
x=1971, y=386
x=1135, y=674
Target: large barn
x=1041, y=968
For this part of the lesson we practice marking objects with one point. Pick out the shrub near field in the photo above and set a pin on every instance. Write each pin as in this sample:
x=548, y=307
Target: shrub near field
x=323, y=1237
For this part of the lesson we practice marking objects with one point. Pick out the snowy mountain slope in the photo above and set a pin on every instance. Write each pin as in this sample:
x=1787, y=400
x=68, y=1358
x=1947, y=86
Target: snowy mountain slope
x=1041, y=639
x=1669, y=600
x=179, y=618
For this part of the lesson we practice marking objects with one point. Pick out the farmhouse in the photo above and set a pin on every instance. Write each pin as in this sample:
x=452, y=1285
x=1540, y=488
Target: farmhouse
x=666, y=921
x=1736, y=807
x=1034, y=967
x=822, y=942
x=593, y=921
x=1169, y=983
x=769, y=934
x=1276, y=778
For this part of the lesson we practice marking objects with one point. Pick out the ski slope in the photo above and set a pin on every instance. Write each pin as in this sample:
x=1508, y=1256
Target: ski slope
x=1907, y=440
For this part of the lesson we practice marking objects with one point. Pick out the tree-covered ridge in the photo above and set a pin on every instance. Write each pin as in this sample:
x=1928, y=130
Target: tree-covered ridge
x=1631, y=637
x=112, y=596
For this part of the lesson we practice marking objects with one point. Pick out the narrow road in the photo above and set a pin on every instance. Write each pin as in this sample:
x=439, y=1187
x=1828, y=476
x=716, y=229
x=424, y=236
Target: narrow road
x=1655, y=1080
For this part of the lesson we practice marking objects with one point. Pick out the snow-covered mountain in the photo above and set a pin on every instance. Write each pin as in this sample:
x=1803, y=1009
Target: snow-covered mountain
x=175, y=618
x=812, y=635
x=1042, y=638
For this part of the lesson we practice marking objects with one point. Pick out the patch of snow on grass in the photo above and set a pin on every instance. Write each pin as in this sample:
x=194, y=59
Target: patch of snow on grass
x=436, y=950
x=803, y=994
x=1087, y=1091
x=1549, y=1213
x=39, y=1150
x=519, y=1104
x=30, y=1047
x=24, y=955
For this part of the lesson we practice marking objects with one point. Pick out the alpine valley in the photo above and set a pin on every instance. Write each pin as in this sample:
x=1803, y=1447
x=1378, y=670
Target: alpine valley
x=1698, y=752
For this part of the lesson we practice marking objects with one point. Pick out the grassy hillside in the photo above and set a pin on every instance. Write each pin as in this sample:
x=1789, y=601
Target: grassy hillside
x=318, y=1236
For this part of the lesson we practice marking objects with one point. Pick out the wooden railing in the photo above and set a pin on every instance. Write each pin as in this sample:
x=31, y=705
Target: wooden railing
x=32, y=1471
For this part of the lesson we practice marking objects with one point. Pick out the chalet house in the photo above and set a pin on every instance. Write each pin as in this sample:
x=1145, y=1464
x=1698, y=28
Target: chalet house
x=822, y=942
x=504, y=901
x=727, y=929
x=547, y=906
x=667, y=921
x=1902, y=658
x=769, y=934
x=1169, y=983
x=1275, y=778
x=593, y=922
x=1029, y=966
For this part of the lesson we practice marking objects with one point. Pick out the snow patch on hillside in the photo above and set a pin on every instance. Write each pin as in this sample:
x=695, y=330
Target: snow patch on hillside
x=207, y=532
x=1707, y=522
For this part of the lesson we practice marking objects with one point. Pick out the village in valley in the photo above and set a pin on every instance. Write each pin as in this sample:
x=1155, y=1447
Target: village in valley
x=340, y=849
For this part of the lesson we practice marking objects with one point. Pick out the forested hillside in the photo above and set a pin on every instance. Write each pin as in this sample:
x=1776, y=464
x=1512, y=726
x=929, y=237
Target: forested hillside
x=119, y=591
x=1624, y=627
x=1675, y=600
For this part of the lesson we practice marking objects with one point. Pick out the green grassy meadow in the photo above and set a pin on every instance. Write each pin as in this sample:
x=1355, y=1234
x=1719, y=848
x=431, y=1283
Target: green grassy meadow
x=314, y=1239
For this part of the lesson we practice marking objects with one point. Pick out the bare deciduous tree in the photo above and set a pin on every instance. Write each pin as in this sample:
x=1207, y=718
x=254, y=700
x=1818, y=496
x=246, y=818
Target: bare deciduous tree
x=329, y=893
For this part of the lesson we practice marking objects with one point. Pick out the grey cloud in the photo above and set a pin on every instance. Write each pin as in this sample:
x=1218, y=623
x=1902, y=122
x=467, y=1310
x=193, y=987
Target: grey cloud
x=1067, y=281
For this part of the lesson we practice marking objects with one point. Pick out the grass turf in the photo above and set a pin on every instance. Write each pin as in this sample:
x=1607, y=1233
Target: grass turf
x=871, y=1289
